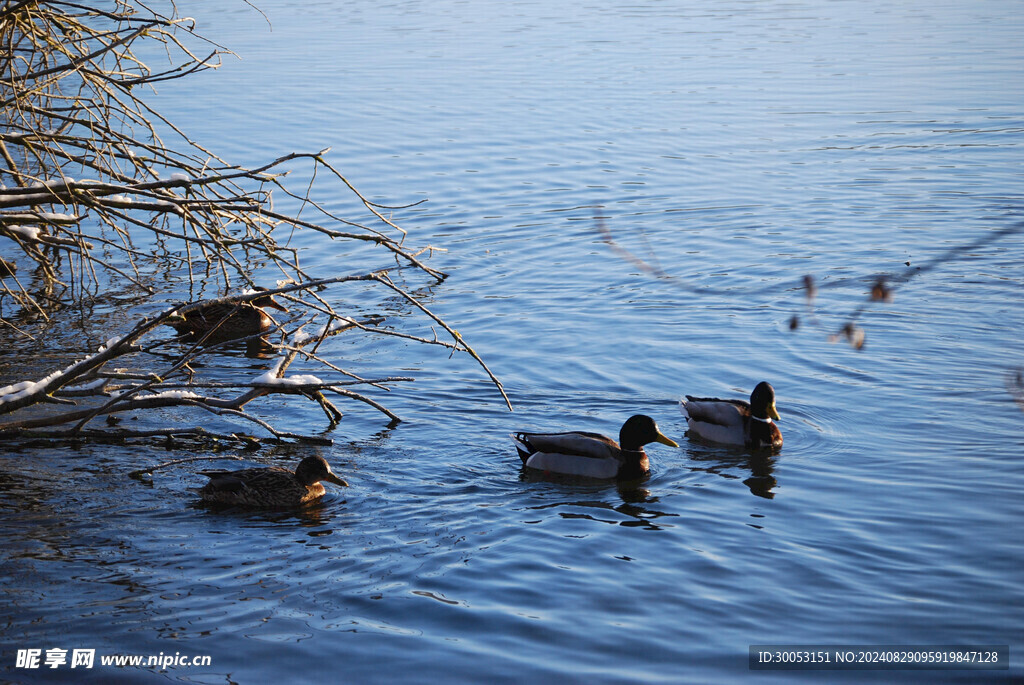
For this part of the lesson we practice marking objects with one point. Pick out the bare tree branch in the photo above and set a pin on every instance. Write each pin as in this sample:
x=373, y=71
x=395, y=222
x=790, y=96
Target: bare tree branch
x=94, y=199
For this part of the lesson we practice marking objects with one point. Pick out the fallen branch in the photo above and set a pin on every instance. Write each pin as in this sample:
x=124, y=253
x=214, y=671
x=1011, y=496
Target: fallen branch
x=173, y=385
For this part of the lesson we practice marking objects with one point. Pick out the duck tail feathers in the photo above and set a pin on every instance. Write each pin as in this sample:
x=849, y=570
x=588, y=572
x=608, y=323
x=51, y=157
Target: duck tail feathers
x=522, y=446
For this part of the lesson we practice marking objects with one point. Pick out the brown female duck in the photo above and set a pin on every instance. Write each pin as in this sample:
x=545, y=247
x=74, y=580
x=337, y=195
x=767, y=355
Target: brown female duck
x=218, y=322
x=271, y=487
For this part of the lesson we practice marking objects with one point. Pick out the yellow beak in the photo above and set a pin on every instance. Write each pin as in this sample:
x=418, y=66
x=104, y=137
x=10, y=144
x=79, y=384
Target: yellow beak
x=773, y=412
x=666, y=441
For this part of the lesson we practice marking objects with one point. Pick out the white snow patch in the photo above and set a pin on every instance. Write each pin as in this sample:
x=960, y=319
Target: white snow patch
x=300, y=337
x=54, y=183
x=173, y=395
x=107, y=345
x=336, y=325
x=55, y=217
x=291, y=380
x=28, y=232
x=22, y=389
x=270, y=378
x=91, y=385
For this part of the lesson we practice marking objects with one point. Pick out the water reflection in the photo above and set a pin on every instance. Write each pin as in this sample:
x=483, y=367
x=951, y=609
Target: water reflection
x=252, y=348
x=724, y=463
x=313, y=515
x=637, y=516
x=20, y=493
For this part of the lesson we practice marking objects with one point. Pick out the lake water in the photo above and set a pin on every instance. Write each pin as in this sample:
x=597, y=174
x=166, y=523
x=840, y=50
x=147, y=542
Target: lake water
x=734, y=148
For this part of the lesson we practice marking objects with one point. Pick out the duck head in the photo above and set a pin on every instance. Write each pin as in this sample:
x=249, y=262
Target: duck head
x=267, y=301
x=312, y=470
x=762, y=401
x=640, y=430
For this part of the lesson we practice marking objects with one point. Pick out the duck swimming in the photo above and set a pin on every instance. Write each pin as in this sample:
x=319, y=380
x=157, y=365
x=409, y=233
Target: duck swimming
x=591, y=454
x=735, y=422
x=219, y=322
x=272, y=487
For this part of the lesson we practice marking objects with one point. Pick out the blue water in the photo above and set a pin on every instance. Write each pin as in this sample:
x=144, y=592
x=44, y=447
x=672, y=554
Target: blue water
x=732, y=149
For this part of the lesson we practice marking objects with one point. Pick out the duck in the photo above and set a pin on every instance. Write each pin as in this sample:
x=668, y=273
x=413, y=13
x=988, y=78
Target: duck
x=270, y=487
x=735, y=422
x=223, y=321
x=593, y=455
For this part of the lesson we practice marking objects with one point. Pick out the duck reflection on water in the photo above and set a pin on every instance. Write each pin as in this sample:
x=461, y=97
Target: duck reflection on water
x=634, y=507
x=725, y=463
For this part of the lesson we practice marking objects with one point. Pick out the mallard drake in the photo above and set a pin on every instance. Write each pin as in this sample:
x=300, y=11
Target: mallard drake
x=591, y=454
x=735, y=422
x=270, y=487
x=227, y=321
